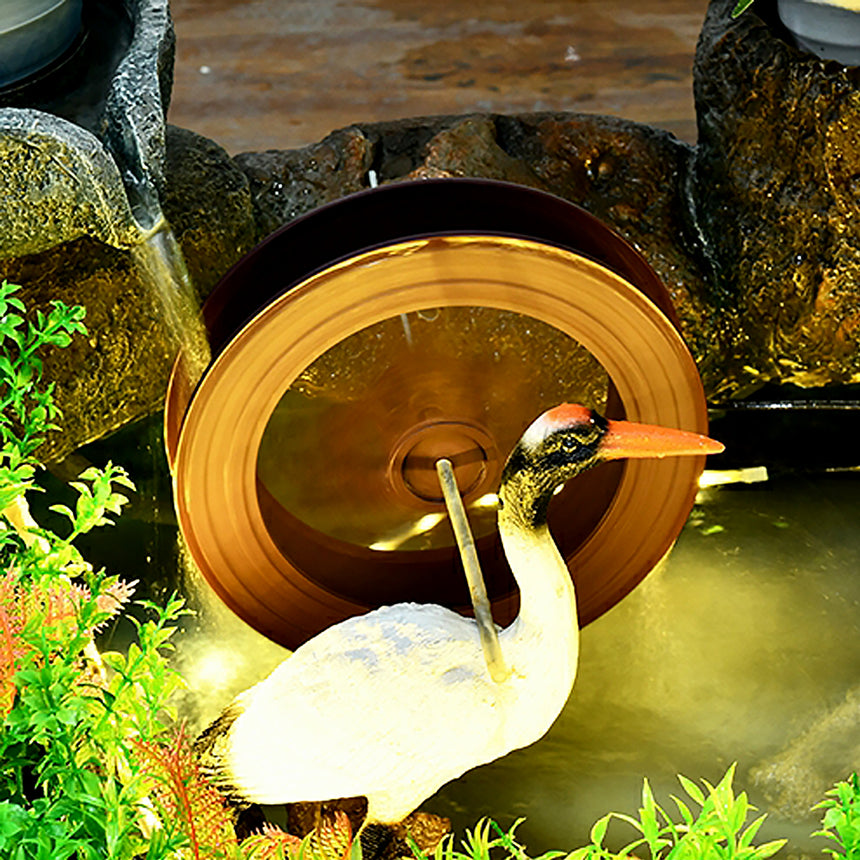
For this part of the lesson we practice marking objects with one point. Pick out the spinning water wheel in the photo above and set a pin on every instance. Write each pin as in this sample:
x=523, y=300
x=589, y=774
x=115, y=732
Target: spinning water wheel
x=364, y=341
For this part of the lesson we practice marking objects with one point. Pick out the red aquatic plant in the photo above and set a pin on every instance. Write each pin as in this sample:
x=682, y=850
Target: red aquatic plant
x=332, y=838
x=13, y=648
x=184, y=798
x=51, y=609
x=182, y=795
x=271, y=843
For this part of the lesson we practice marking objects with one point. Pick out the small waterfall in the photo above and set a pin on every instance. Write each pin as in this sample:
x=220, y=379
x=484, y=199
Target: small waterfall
x=164, y=273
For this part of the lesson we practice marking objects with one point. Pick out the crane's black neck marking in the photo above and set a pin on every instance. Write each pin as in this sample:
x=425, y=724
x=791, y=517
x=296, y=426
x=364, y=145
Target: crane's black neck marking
x=532, y=472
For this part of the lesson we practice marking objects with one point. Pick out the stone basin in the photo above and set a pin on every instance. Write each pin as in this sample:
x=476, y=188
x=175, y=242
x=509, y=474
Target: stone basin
x=753, y=233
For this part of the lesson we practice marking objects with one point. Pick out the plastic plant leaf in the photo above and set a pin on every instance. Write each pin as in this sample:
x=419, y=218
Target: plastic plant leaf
x=749, y=834
x=768, y=849
x=738, y=813
x=686, y=815
x=271, y=843
x=182, y=795
x=692, y=789
x=598, y=831
x=332, y=839
x=650, y=824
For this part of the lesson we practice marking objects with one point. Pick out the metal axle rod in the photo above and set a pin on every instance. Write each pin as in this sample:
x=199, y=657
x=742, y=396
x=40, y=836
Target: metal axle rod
x=469, y=556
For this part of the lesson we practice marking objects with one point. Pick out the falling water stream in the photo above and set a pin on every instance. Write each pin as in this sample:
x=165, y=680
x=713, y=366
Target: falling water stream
x=164, y=275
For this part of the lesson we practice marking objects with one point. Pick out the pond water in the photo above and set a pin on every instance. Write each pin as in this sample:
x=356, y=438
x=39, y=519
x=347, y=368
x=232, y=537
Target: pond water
x=741, y=646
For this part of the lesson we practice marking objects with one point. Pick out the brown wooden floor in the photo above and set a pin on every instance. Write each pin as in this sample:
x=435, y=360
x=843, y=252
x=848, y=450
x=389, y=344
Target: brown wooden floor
x=279, y=74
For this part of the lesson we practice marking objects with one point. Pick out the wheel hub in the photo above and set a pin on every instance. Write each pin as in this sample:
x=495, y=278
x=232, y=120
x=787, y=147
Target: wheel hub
x=413, y=461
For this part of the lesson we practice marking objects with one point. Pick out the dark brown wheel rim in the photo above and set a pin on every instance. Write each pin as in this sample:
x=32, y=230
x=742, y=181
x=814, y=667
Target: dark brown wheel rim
x=289, y=579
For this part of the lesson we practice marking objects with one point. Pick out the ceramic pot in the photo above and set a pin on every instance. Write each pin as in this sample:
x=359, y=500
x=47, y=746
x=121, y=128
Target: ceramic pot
x=830, y=31
x=34, y=33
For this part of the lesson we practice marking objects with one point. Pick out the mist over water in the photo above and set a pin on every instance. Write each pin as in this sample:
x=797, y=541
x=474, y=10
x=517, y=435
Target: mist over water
x=218, y=654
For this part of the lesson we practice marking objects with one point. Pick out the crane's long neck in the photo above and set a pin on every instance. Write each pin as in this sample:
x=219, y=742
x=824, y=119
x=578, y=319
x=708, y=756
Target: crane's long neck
x=547, y=601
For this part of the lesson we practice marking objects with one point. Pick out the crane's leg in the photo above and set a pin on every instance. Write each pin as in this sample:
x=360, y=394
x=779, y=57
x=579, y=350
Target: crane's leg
x=477, y=590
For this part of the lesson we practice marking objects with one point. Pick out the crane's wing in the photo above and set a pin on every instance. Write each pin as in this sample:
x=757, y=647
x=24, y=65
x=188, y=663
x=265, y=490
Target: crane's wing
x=395, y=701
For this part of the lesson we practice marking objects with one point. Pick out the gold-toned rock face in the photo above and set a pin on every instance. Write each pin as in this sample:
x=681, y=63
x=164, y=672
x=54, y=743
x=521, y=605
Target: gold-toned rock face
x=373, y=413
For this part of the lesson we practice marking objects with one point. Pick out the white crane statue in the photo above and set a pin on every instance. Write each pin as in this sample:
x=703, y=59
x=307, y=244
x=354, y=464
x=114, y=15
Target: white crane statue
x=393, y=704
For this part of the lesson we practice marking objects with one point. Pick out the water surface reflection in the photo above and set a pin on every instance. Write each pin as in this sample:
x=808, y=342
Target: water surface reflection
x=742, y=646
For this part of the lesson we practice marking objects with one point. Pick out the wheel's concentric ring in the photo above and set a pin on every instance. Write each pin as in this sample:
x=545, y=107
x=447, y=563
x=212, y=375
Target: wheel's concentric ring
x=289, y=579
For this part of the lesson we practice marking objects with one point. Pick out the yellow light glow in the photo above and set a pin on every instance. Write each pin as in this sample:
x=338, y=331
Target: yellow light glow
x=714, y=478
x=488, y=500
x=213, y=667
x=421, y=525
x=427, y=522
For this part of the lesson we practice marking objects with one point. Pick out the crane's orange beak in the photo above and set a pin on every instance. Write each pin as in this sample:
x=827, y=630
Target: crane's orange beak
x=628, y=439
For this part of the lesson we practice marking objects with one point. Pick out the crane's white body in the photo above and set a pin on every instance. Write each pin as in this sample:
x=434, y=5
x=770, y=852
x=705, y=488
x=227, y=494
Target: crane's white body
x=393, y=704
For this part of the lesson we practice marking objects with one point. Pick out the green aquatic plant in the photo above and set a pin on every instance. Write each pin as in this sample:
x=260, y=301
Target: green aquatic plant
x=92, y=766
x=841, y=821
x=741, y=7
x=69, y=783
x=27, y=409
x=486, y=841
x=718, y=831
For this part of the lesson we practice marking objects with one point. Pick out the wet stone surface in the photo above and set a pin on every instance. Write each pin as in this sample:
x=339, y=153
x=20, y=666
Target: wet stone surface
x=775, y=189
x=207, y=203
x=120, y=372
x=285, y=185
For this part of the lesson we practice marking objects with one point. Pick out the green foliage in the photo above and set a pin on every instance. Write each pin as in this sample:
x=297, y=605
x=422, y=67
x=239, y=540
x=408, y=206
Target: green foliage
x=92, y=767
x=481, y=843
x=741, y=7
x=27, y=409
x=719, y=831
x=70, y=785
x=841, y=821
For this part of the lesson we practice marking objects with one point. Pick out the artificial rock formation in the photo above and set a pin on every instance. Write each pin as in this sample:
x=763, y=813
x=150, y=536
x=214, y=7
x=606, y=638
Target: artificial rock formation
x=753, y=231
x=120, y=372
x=775, y=189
